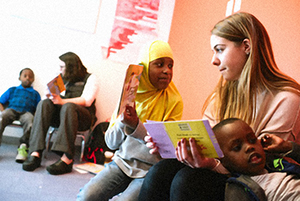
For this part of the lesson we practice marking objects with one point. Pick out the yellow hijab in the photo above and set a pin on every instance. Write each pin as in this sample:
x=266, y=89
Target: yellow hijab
x=151, y=103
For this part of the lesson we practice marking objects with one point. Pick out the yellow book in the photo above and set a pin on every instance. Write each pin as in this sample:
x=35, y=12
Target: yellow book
x=167, y=134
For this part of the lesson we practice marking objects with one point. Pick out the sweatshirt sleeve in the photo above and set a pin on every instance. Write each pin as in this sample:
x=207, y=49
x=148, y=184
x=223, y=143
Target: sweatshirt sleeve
x=279, y=114
x=295, y=154
x=114, y=136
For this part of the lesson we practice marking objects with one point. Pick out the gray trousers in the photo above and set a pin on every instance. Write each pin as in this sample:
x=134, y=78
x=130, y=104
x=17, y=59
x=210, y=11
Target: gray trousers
x=26, y=119
x=68, y=118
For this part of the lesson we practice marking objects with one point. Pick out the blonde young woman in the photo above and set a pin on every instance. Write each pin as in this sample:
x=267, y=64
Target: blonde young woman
x=251, y=88
x=157, y=99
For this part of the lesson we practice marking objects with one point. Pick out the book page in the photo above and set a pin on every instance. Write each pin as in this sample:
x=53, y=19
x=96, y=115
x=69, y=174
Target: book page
x=167, y=134
x=89, y=167
x=56, y=86
x=130, y=86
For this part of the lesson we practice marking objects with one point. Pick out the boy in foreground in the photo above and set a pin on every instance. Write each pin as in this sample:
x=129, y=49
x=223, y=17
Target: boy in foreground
x=244, y=154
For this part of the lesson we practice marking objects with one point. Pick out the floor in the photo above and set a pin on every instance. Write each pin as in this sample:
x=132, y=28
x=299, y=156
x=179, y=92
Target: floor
x=17, y=184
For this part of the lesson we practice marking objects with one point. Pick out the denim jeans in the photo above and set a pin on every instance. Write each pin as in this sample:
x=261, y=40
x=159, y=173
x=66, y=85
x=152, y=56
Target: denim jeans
x=109, y=182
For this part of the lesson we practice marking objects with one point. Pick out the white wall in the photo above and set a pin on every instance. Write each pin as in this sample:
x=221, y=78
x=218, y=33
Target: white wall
x=36, y=42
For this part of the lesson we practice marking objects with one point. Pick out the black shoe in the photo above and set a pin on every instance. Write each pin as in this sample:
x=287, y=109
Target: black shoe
x=59, y=167
x=31, y=163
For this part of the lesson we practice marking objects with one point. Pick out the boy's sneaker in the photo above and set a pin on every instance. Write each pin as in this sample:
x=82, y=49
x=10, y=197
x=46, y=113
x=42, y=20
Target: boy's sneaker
x=22, y=153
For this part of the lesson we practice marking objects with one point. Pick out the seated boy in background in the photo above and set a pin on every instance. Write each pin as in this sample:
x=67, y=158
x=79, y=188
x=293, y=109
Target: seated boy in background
x=245, y=154
x=19, y=103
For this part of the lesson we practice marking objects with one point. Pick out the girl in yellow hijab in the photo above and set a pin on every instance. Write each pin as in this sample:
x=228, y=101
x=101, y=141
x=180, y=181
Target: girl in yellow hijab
x=154, y=102
x=157, y=99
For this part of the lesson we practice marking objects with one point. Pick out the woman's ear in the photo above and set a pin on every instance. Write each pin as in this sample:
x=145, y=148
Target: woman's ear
x=247, y=46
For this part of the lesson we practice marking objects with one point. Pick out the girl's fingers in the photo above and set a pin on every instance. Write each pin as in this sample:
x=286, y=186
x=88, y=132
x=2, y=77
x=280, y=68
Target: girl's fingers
x=150, y=145
x=148, y=138
x=154, y=151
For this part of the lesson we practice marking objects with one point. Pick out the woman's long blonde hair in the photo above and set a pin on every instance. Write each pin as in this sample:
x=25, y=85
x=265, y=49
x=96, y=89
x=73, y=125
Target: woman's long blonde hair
x=260, y=73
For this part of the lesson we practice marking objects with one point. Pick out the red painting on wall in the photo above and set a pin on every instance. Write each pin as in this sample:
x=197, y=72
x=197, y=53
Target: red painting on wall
x=135, y=23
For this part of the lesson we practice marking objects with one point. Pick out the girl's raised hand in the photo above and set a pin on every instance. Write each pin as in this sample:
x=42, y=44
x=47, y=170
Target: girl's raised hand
x=130, y=117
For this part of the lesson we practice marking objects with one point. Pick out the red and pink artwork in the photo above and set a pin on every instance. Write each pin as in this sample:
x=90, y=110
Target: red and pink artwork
x=135, y=23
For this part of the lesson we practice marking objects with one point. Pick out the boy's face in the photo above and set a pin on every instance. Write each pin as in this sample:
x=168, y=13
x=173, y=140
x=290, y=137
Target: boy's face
x=243, y=152
x=26, y=78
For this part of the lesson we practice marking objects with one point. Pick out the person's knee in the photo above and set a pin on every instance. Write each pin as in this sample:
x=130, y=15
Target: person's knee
x=186, y=175
x=45, y=102
x=6, y=113
x=182, y=179
x=157, y=171
x=156, y=185
x=68, y=108
x=197, y=184
x=27, y=117
x=151, y=181
x=90, y=191
x=163, y=169
x=84, y=194
x=45, y=105
x=182, y=187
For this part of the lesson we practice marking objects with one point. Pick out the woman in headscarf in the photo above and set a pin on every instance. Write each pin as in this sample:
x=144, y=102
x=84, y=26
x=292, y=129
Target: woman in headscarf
x=157, y=99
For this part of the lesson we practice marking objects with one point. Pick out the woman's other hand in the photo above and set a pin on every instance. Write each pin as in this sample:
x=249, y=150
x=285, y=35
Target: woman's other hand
x=189, y=153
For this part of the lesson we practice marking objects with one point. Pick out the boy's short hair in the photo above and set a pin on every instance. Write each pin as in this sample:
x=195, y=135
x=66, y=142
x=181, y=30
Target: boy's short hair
x=26, y=69
x=223, y=123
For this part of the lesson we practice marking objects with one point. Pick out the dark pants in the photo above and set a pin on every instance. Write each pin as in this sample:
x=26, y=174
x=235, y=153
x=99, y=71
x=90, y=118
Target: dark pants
x=68, y=118
x=171, y=180
x=26, y=119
